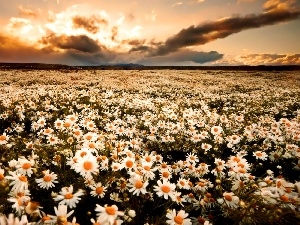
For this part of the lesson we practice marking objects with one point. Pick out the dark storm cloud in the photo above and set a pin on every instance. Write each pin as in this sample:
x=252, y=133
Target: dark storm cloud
x=81, y=43
x=206, y=32
x=140, y=48
x=90, y=24
x=182, y=56
x=13, y=49
x=92, y=58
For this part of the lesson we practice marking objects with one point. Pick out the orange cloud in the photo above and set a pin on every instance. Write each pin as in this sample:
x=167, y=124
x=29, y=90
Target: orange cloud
x=210, y=31
x=270, y=59
x=91, y=24
x=26, y=12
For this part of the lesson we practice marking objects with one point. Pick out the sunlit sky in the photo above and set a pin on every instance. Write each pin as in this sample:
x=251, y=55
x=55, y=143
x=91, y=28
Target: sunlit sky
x=156, y=32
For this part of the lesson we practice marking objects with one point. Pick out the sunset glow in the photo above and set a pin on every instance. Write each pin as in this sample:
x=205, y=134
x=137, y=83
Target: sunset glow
x=189, y=32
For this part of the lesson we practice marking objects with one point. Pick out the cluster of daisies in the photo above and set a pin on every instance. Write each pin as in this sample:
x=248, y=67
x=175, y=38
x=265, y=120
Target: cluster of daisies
x=149, y=152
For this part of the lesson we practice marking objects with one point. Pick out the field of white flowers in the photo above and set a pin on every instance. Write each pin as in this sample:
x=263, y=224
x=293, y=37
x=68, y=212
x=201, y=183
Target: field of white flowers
x=149, y=147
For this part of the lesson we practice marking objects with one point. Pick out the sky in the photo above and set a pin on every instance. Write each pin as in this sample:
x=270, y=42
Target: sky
x=156, y=32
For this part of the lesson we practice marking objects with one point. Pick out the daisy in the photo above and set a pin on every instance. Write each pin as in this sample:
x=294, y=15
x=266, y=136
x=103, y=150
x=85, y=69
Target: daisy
x=19, y=181
x=107, y=214
x=3, y=139
x=98, y=190
x=86, y=166
x=178, y=199
x=179, y=218
x=216, y=130
x=260, y=155
x=90, y=136
x=206, y=146
x=128, y=163
x=192, y=158
x=61, y=215
x=77, y=133
x=229, y=199
x=52, y=140
x=234, y=139
x=33, y=208
x=67, y=124
x=116, y=166
x=48, y=131
x=148, y=171
x=41, y=122
x=91, y=145
x=24, y=166
x=137, y=186
x=148, y=157
x=183, y=184
x=165, y=174
x=48, y=180
x=165, y=189
x=66, y=196
x=58, y=124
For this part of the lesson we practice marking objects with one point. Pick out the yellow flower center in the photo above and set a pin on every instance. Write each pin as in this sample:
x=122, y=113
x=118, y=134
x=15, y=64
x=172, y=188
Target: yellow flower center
x=147, y=168
x=83, y=154
x=2, y=138
x=68, y=196
x=165, y=188
x=26, y=166
x=258, y=154
x=89, y=137
x=87, y=165
x=77, y=132
x=1, y=177
x=148, y=158
x=129, y=164
x=178, y=220
x=165, y=174
x=99, y=190
x=92, y=145
x=139, y=184
x=110, y=210
x=228, y=198
x=47, y=178
x=45, y=218
x=67, y=124
x=23, y=178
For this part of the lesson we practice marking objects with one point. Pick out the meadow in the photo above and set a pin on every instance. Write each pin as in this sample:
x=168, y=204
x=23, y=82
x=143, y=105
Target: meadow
x=149, y=147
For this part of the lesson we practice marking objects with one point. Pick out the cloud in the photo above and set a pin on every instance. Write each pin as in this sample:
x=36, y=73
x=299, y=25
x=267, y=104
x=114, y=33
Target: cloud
x=26, y=12
x=270, y=59
x=14, y=50
x=152, y=16
x=81, y=43
x=182, y=57
x=176, y=4
x=209, y=31
x=90, y=24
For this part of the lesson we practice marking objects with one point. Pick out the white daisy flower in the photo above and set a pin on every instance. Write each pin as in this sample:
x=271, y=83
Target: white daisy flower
x=66, y=196
x=19, y=181
x=86, y=166
x=3, y=139
x=178, y=218
x=24, y=166
x=107, y=214
x=48, y=180
x=165, y=189
x=98, y=190
x=137, y=186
